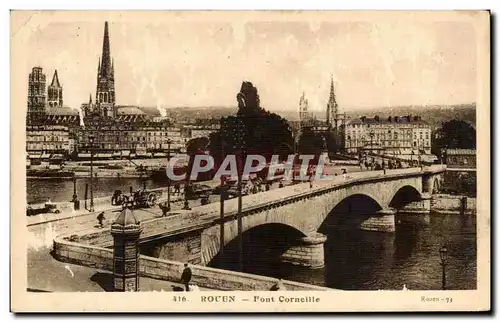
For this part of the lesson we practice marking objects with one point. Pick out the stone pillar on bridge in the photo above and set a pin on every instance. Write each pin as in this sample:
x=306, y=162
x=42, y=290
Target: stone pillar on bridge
x=309, y=252
x=427, y=183
x=382, y=221
x=126, y=231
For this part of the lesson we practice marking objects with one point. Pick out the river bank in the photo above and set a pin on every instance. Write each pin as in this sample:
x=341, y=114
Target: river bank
x=445, y=204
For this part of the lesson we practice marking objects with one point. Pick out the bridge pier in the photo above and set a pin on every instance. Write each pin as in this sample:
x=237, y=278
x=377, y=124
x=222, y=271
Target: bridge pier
x=381, y=221
x=417, y=212
x=421, y=207
x=309, y=252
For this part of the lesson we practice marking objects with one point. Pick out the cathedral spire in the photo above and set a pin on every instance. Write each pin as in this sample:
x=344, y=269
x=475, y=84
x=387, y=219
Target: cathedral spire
x=332, y=107
x=105, y=93
x=332, y=99
x=106, y=53
x=90, y=98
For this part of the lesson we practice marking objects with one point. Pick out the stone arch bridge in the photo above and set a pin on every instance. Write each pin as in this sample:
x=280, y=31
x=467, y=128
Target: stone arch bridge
x=370, y=200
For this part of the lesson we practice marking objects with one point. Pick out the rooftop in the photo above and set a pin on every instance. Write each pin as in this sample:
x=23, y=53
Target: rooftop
x=461, y=151
x=61, y=111
x=141, y=110
x=129, y=110
x=407, y=119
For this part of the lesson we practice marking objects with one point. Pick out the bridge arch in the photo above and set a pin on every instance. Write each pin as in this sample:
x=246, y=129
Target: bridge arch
x=405, y=195
x=350, y=212
x=277, y=218
x=263, y=244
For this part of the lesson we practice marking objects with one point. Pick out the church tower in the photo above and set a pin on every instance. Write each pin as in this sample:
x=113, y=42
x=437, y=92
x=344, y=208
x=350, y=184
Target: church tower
x=36, y=94
x=105, y=94
x=55, y=92
x=332, y=109
x=304, y=117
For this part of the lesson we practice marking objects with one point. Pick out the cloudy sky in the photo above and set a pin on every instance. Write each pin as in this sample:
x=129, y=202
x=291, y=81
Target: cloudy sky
x=200, y=63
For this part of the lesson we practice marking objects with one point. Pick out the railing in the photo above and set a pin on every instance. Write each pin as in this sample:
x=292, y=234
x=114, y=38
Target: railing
x=211, y=213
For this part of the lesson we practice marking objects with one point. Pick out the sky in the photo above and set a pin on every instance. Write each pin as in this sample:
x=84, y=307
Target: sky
x=171, y=64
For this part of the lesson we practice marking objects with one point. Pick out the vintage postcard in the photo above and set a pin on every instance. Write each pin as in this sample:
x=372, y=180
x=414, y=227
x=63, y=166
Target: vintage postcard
x=259, y=161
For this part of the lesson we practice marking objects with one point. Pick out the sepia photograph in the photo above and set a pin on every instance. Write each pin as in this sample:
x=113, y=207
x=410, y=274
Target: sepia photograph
x=197, y=154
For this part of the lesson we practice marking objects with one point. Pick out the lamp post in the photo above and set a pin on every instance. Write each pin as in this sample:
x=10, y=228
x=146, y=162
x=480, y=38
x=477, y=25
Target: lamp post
x=240, y=200
x=91, y=141
x=371, y=141
x=222, y=197
x=443, y=254
x=168, y=165
x=371, y=147
x=443, y=154
x=75, y=197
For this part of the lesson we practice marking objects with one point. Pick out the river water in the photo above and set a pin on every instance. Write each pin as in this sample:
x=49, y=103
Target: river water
x=354, y=260
x=58, y=190
x=361, y=260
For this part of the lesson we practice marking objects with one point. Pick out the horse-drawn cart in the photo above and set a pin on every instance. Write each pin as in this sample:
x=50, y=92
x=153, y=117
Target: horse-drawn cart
x=140, y=198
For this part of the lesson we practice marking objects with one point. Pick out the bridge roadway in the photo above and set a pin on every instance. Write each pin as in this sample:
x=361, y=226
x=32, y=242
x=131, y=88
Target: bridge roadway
x=208, y=215
x=50, y=225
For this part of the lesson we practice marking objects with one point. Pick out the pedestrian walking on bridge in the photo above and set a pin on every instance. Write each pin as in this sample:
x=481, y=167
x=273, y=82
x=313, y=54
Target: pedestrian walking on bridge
x=164, y=208
x=177, y=188
x=100, y=219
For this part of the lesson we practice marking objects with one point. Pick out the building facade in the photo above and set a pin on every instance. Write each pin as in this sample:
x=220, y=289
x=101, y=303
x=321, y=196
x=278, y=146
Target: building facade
x=43, y=141
x=396, y=136
x=460, y=158
x=200, y=131
x=119, y=139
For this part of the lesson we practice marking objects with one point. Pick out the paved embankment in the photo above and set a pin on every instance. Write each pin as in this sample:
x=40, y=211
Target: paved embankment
x=50, y=275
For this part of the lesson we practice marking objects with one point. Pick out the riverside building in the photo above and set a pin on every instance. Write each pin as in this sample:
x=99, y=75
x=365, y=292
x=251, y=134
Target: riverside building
x=394, y=136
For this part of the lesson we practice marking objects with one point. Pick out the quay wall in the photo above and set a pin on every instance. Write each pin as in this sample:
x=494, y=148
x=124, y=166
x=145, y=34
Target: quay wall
x=163, y=269
x=450, y=204
x=66, y=208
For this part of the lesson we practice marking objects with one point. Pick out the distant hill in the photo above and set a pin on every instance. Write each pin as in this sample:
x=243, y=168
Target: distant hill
x=433, y=114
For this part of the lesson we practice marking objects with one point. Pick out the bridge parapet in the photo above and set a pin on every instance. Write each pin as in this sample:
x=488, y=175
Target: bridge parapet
x=208, y=215
x=168, y=270
x=198, y=231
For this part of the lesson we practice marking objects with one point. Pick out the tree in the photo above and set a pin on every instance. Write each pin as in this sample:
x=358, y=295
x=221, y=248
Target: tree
x=452, y=135
x=197, y=145
x=252, y=131
x=311, y=143
x=193, y=147
x=333, y=141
